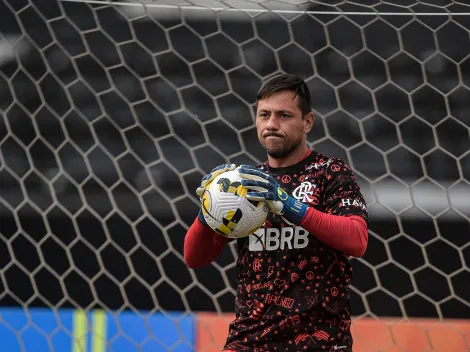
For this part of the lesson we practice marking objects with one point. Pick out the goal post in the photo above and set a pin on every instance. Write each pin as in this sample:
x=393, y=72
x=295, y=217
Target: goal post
x=113, y=111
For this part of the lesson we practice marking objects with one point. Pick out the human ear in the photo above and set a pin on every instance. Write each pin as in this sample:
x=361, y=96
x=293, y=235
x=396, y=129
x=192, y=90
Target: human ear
x=309, y=119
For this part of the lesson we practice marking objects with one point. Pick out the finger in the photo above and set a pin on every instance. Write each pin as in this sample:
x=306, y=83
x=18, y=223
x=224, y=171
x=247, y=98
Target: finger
x=257, y=189
x=216, y=172
x=206, y=178
x=204, y=183
x=247, y=167
x=224, y=167
x=264, y=195
x=256, y=185
x=253, y=171
x=253, y=175
x=220, y=167
x=256, y=196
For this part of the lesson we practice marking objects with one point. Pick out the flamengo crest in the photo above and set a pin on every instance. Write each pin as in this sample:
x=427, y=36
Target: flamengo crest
x=304, y=192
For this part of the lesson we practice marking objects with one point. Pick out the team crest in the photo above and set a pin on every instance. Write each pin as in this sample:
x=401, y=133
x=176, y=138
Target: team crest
x=305, y=192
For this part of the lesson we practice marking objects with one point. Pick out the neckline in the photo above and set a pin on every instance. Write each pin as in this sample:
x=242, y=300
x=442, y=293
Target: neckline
x=297, y=167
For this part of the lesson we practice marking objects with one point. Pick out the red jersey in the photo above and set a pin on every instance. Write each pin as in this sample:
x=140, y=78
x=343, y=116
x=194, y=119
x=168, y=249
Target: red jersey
x=292, y=292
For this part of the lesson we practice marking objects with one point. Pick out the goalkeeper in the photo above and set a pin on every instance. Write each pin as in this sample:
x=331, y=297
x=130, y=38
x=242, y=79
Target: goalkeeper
x=293, y=273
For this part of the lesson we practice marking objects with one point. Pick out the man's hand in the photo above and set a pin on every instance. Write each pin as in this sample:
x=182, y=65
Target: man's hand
x=206, y=180
x=264, y=187
x=213, y=174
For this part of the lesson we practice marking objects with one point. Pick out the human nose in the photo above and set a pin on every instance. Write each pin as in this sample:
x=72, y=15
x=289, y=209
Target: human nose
x=272, y=124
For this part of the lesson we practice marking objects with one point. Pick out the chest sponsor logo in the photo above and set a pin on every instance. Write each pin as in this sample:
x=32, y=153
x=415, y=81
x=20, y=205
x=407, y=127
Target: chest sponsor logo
x=272, y=239
x=305, y=192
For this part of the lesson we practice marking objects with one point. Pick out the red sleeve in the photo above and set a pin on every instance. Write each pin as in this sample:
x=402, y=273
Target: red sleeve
x=347, y=234
x=342, y=224
x=202, y=245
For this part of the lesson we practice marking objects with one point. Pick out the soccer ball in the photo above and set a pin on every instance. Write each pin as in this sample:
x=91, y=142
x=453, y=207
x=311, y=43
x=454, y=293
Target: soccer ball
x=227, y=210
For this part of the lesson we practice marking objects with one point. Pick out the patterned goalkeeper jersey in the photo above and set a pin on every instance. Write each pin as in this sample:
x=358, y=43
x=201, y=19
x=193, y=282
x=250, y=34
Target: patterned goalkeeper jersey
x=292, y=292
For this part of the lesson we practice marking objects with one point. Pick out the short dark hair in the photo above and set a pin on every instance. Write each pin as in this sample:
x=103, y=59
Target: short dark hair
x=289, y=82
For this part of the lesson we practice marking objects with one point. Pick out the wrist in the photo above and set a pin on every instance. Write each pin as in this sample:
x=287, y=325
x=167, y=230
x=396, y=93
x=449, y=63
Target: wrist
x=294, y=210
x=201, y=219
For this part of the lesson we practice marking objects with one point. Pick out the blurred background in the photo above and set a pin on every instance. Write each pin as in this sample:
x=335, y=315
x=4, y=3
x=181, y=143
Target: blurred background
x=111, y=115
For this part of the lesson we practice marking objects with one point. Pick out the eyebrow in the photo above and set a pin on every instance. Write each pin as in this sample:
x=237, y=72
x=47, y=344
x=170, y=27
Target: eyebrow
x=277, y=111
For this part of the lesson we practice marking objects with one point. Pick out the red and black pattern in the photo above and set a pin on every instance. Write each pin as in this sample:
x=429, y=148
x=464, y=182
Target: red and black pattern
x=295, y=297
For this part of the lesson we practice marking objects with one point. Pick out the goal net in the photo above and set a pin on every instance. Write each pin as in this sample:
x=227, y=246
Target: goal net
x=112, y=111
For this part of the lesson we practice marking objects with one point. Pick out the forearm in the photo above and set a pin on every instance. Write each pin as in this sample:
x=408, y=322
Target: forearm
x=202, y=245
x=347, y=234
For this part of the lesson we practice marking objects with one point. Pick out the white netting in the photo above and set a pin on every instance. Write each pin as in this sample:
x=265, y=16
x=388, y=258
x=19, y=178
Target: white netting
x=113, y=111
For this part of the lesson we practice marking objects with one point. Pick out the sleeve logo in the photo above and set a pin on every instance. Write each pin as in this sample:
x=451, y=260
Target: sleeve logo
x=348, y=202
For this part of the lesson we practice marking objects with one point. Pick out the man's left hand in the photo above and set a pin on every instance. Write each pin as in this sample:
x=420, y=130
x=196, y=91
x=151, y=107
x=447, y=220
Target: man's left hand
x=264, y=187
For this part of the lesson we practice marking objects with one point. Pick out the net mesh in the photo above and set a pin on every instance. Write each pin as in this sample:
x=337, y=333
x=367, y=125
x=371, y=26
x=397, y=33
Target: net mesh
x=112, y=113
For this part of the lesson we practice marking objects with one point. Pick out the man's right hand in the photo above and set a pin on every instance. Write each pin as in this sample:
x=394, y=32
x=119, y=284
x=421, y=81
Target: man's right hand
x=206, y=180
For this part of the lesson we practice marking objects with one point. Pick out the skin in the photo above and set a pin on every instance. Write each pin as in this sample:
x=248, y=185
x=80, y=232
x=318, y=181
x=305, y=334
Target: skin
x=281, y=129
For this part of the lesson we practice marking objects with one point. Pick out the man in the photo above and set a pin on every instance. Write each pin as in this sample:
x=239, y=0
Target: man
x=292, y=288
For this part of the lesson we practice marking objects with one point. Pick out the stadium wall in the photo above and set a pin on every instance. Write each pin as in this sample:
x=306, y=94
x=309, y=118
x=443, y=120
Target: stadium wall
x=41, y=330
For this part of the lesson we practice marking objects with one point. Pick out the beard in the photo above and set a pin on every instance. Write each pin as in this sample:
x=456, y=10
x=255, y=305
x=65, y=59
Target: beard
x=282, y=148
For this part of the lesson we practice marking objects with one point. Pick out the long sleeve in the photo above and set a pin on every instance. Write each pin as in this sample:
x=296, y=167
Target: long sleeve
x=347, y=234
x=202, y=245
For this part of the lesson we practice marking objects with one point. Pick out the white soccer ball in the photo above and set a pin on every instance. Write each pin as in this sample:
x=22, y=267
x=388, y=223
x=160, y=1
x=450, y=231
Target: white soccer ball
x=226, y=209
